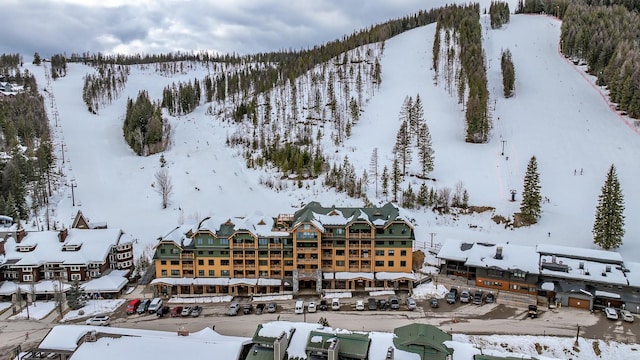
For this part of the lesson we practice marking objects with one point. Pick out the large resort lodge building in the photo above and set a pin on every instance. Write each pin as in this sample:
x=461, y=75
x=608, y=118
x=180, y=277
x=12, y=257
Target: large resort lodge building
x=314, y=250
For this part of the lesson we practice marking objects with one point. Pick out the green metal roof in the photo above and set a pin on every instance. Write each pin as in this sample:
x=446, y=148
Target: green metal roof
x=388, y=213
x=258, y=352
x=351, y=344
x=424, y=340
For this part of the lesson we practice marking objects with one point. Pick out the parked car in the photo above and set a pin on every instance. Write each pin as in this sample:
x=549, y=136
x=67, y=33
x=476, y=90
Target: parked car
x=611, y=313
x=98, y=320
x=382, y=304
x=433, y=302
x=196, y=311
x=133, y=306
x=162, y=311
x=360, y=305
x=186, y=311
x=627, y=315
x=394, y=303
x=273, y=307
x=452, y=296
x=247, y=309
x=176, y=311
x=335, y=304
x=490, y=298
x=411, y=304
x=260, y=309
x=234, y=307
x=372, y=304
x=465, y=297
x=533, y=311
x=323, y=305
x=312, y=307
x=299, y=307
x=155, y=305
x=477, y=297
x=144, y=306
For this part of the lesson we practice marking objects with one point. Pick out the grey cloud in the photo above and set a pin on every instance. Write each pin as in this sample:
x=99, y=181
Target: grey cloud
x=243, y=27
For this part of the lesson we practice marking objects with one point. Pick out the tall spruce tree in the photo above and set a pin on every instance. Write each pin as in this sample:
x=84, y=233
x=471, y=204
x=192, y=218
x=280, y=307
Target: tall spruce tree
x=508, y=74
x=75, y=300
x=396, y=179
x=425, y=149
x=530, y=207
x=385, y=181
x=608, y=228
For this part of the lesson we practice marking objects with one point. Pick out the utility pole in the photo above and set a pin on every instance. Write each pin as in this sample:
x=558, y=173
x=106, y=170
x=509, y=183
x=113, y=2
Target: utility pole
x=503, y=141
x=432, y=236
x=73, y=198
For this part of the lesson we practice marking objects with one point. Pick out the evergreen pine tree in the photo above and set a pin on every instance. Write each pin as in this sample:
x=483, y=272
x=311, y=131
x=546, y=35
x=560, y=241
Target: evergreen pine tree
x=608, y=228
x=531, y=199
x=425, y=150
x=75, y=298
x=396, y=178
x=423, y=195
x=385, y=181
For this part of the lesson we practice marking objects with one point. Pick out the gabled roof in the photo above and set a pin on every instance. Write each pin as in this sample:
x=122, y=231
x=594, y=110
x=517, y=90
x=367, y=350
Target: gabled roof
x=424, y=340
x=352, y=345
x=321, y=216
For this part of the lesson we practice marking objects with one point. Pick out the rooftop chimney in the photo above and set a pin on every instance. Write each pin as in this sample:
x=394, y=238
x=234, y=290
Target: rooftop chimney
x=499, y=252
x=20, y=234
x=62, y=235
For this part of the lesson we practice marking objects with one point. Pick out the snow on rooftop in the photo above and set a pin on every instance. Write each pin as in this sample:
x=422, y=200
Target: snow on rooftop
x=383, y=275
x=633, y=273
x=112, y=282
x=452, y=249
x=381, y=341
x=41, y=287
x=591, y=271
x=577, y=252
x=66, y=337
x=514, y=257
x=345, y=275
x=274, y=329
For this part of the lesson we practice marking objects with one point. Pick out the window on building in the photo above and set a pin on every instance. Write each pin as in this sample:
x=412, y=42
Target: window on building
x=201, y=273
x=199, y=241
x=162, y=251
x=403, y=242
x=175, y=272
x=211, y=262
x=224, y=241
x=262, y=262
x=340, y=263
x=379, y=252
x=200, y=262
x=306, y=226
x=379, y=263
x=390, y=230
x=263, y=241
x=210, y=241
x=163, y=272
x=212, y=273
x=391, y=243
x=224, y=262
x=210, y=252
x=175, y=262
x=339, y=252
x=391, y=252
x=403, y=252
x=339, y=231
x=390, y=263
x=200, y=252
x=403, y=263
x=403, y=231
x=27, y=277
x=174, y=251
x=379, y=243
x=163, y=262
x=224, y=272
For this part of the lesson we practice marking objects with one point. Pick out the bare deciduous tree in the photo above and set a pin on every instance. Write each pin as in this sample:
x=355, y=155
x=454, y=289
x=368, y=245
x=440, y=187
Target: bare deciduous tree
x=164, y=186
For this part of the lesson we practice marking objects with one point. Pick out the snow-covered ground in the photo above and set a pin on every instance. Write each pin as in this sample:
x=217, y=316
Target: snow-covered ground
x=35, y=311
x=429, y=290
x=201, y=300
x=94, y=307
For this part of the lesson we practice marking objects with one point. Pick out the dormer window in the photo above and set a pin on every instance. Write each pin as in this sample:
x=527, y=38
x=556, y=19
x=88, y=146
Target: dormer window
x=25, y=248
x=71, y=247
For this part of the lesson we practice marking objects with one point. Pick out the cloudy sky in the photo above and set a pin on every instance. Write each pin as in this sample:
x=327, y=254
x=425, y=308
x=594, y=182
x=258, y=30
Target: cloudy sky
x=155, y=26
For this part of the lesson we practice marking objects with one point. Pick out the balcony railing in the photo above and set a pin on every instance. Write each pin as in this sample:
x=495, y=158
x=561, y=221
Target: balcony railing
x=186, y=256
x=307, y=261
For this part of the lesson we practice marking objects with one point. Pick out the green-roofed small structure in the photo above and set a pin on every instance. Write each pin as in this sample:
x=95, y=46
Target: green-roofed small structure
x=424, y=340
x=348, y=345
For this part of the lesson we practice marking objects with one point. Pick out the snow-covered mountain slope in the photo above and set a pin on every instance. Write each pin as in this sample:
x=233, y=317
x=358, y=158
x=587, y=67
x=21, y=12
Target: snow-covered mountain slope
x=557, y=114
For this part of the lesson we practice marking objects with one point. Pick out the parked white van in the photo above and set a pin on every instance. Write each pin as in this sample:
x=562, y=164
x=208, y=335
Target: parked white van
x=155, y=305
x=335, y=304
x=299, y=307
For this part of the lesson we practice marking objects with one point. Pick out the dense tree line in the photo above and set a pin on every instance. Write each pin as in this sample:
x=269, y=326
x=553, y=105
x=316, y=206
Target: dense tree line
x=10, y=65
x=508, y=73
x=461, y=25
x=607, y=39
x=25, y=170
x=183, y=98
x=498, y=13
x=144, y=128
x=103, y=87
x=58, y=66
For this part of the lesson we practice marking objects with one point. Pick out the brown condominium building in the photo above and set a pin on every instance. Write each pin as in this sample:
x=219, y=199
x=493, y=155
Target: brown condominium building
x=314, y=249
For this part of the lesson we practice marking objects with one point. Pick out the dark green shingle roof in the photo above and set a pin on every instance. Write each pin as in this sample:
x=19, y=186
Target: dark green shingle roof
x=352, y=345
x=422, y=339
